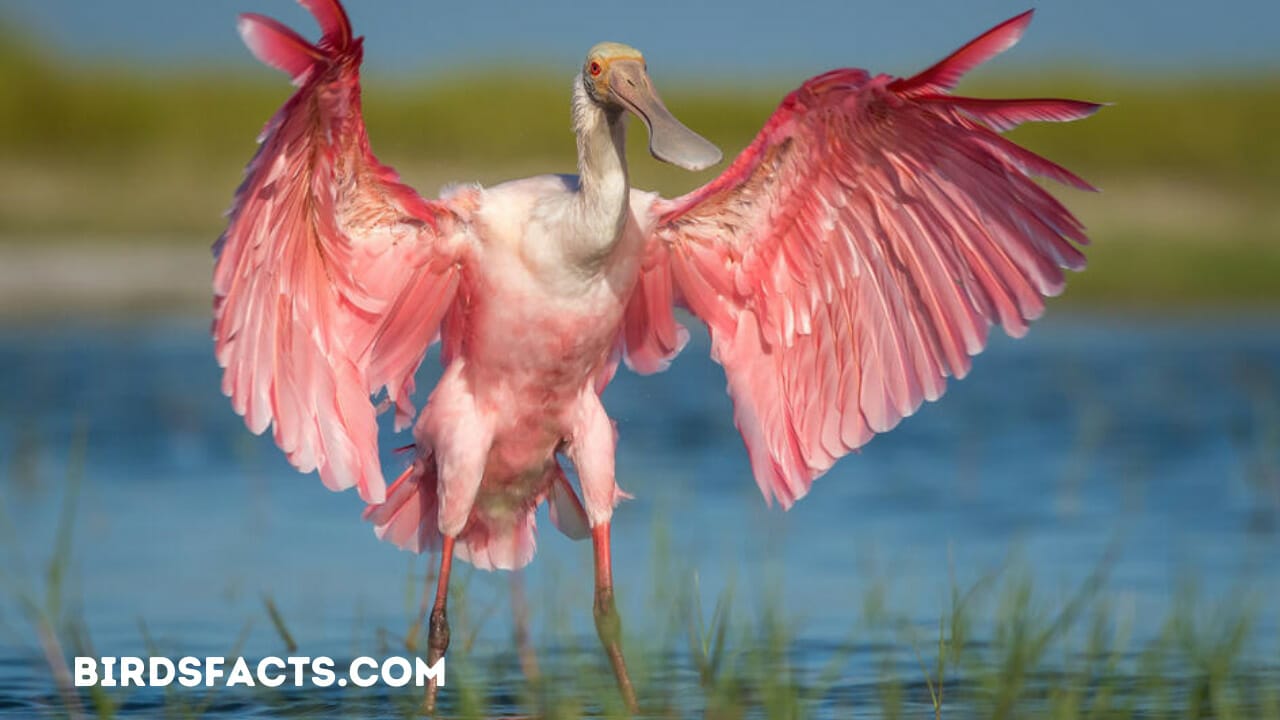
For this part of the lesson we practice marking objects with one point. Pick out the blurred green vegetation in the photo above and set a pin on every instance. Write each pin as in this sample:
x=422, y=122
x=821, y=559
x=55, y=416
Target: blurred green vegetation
x=1189, y=165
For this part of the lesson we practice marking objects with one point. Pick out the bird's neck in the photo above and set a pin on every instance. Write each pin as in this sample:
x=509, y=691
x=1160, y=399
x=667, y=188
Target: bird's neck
x=604, y=188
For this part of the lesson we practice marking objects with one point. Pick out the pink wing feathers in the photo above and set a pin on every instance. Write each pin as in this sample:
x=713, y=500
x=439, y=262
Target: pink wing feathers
x=332, y=277
x=856, y=254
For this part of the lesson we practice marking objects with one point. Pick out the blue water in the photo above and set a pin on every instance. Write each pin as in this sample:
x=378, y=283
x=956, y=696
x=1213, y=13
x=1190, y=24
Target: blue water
x=1155, y=443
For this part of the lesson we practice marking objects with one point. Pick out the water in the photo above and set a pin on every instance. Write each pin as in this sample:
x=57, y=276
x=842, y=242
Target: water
x=1153, y=443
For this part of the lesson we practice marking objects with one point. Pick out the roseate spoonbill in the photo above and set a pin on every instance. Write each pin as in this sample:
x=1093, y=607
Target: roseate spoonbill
x=846, y=263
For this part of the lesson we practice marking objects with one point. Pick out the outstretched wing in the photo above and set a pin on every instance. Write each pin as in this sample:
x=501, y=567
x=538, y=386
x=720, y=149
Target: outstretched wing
x=332, y=277
x=856, y=254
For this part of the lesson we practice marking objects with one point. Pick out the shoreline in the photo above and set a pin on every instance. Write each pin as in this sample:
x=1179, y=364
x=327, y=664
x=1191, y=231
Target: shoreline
x=67, y=279
x=58, y=279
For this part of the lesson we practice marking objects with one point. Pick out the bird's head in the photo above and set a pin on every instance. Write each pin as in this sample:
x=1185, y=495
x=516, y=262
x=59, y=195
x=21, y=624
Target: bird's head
x=615, y=77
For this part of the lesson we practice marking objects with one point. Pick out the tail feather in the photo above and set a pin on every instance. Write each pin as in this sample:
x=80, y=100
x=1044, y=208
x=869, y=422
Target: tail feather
x=943, y=75
x=409, y=520
x=510, y=547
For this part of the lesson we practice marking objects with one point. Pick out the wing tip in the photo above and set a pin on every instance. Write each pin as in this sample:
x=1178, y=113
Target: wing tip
x=276, y=45
x=281, y=47
x=334, y=23
x=1022, y=20
x=1010, y=32
x=944, y=74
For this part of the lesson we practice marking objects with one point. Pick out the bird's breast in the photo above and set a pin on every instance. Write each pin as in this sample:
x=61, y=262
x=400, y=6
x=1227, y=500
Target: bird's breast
x=540, y=336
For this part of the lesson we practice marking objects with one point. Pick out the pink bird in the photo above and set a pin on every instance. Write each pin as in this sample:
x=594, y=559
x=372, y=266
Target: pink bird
x=846, y=263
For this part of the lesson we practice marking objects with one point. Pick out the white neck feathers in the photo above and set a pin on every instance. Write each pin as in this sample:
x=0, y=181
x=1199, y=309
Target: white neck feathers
x=604, y=187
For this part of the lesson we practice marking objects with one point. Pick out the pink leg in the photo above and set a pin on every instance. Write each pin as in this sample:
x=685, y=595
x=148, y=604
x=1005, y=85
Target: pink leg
x=591, y=451
x=459, y=436
x=438, y=630
x=608, y=624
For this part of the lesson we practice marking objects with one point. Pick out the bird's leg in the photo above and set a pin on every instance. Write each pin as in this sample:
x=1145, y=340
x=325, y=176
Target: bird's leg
x=592, y=452
x=459, y=435
x=608, y=624
x=520, y=615
x=438, y=628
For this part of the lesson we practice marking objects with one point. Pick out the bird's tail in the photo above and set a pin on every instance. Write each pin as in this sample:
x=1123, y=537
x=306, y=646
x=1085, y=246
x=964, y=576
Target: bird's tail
x=409, y=519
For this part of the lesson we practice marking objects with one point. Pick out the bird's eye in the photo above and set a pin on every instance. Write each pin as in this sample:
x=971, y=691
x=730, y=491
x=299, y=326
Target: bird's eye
x=594, y=68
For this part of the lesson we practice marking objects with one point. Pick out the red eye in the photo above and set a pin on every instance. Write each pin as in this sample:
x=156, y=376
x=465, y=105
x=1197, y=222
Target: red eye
x=594, y=68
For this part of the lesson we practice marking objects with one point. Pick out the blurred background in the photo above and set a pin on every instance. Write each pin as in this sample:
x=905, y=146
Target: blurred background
x=124, y=126
x=1136, y=431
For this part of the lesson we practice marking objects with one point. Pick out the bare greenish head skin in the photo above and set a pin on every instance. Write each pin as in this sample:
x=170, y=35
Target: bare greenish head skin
x=616, y=76
x=596, y=68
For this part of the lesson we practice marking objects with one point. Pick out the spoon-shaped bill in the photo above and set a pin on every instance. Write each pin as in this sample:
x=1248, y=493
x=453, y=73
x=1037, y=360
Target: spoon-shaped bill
x=669, y=140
